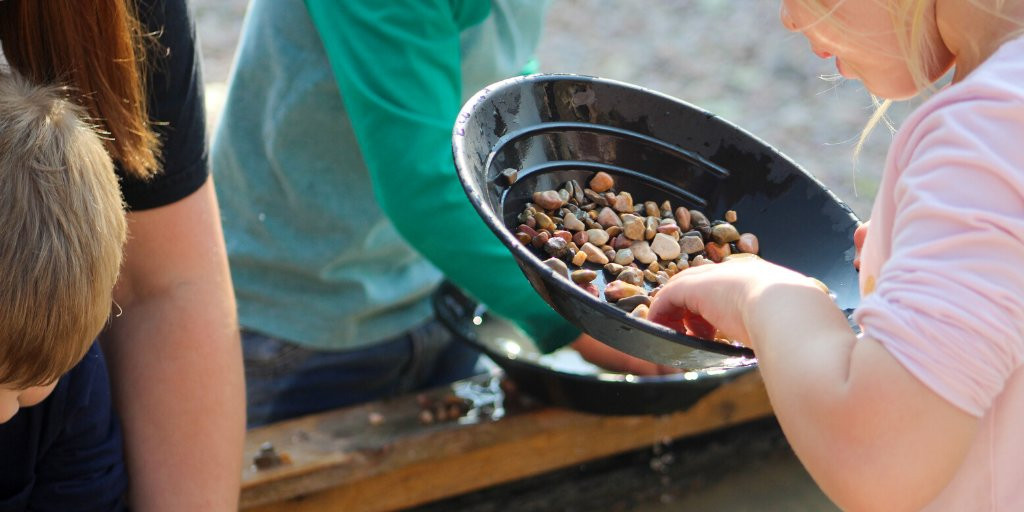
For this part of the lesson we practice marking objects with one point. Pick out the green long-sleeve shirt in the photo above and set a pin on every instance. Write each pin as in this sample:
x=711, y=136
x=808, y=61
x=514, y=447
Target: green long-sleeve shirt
x=333, y=159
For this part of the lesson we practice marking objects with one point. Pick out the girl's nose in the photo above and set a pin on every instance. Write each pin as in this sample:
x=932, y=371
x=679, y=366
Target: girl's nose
x=787, y=20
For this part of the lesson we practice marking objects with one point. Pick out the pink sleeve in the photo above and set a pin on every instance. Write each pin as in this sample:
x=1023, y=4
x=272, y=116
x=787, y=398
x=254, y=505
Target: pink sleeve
x=949, y=301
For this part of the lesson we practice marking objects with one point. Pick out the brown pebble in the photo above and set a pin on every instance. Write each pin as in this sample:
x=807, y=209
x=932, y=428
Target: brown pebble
x=643, y=253
x=544, y=222
x=577, y=191
x=548, y=199
x=640, y=311
x=524, y=238
x=614, y=231
x=620, y=289
x=651, y=209
x=623, y=202
x=730, y=216
x=614, y=268
x=572, y=223
x=558, y=266
x=631, y=275
x=454, y=411
x=671, y=230
x=665, y=247
x=716, y=251
x=683, y=218
x=563, y=234
x=621, y=242
x=556, y=246
x=747, y=243
x=375, y=418
x=601, y=182
x=426, y=417
x=541, y=239
x=595, y=197
x=699, y=260
x=663, y=277
x=594, y=253
x=724, y=233
x=608, y=218
x=650, y=277
x=691, y=244
x=623, y=256
x=630, y=303
x=633, y=227
x=579, y=258
x=597, y=237
x=509, y=176
x=527, y=229
x=591, y=288
x=698, y=220
x=583, y=276
x=580, y=237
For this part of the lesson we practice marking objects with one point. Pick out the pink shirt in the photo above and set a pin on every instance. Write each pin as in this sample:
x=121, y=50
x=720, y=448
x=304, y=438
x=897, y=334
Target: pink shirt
x=942, y=268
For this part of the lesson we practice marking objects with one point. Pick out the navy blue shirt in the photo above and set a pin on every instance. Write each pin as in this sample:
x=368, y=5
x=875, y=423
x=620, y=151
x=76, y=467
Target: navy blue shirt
x=65, y=454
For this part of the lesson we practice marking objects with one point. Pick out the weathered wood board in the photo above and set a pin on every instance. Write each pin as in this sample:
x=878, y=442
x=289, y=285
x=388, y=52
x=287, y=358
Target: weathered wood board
x=379, y=456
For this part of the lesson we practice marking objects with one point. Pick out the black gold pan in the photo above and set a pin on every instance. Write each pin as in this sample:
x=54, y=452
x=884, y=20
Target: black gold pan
x=554, y=128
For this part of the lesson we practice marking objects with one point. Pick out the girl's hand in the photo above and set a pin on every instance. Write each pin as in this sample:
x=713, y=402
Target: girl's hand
x=858, y=242
x=721, y=292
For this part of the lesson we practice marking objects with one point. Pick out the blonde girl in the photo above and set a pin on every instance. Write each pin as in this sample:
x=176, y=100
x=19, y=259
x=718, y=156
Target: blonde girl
x=923, y=410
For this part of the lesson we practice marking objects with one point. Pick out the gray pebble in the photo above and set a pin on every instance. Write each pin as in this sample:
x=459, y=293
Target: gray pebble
x=643, y=253
x=598, y=237
x=558, y=266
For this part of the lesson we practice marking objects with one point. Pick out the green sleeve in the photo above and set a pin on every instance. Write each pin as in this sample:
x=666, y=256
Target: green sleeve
x=397, y=64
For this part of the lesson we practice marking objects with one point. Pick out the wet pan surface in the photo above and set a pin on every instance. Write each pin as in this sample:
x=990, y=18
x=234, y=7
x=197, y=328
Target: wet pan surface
x=553, y=128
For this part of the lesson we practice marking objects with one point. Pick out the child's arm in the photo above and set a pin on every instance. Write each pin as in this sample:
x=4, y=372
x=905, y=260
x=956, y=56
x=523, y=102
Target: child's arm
x=868, y=431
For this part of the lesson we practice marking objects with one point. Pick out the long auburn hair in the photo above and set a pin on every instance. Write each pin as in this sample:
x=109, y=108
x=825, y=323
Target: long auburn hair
x=98, y=48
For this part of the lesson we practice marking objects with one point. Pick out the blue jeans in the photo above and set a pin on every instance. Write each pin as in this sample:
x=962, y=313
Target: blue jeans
x=285, y=380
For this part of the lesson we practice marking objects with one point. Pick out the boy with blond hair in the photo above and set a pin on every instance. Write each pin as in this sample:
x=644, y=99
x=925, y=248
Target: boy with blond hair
x=62, y=228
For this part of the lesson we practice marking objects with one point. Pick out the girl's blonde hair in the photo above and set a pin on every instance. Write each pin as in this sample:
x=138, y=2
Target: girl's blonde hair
x=63, y=233
x=920, y=57
x=99, y=49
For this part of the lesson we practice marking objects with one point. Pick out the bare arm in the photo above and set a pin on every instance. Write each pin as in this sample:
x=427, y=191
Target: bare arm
x=175, y=360
x=870, y=433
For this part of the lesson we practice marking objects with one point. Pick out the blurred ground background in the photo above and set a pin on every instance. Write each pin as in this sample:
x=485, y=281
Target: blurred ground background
x=732, y=58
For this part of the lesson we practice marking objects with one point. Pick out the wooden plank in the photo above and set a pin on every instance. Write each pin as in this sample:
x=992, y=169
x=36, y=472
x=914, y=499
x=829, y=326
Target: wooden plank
x=339, y=461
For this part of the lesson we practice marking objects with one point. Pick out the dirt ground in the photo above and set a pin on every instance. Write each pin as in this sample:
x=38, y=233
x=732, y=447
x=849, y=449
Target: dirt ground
x=737, y=62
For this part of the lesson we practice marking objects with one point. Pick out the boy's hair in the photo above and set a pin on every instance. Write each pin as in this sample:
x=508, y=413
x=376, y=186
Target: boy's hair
x=100, y=49
x=62, y=230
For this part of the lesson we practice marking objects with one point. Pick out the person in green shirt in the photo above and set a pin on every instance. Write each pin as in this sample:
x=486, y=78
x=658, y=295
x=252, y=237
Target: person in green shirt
x=341, y=206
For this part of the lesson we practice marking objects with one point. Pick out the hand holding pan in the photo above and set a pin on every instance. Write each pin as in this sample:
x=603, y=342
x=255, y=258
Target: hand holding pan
x=550, y=129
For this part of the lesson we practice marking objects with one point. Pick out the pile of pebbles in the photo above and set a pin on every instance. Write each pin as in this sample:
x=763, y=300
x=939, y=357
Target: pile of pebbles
x=640, y=245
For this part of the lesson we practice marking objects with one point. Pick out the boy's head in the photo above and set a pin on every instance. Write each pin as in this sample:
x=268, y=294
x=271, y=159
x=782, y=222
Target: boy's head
x=62, y=228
